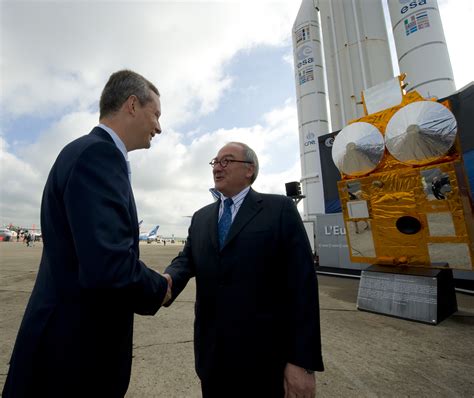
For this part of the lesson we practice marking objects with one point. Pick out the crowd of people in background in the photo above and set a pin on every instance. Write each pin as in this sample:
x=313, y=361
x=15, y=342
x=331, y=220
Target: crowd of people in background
x=27, y=237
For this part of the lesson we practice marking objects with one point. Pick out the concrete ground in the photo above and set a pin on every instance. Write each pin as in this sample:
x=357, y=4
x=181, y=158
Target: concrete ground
x=365, y=354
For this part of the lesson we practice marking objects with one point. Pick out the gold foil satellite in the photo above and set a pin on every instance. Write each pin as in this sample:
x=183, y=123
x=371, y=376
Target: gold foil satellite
x=404, y=192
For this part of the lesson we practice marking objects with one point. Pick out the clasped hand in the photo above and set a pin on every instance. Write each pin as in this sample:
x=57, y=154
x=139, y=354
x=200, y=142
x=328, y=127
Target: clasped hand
x=298, y=383
x=168, y=292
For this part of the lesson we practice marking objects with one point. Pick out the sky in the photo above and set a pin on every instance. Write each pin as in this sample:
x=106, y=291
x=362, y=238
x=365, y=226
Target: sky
x=224, y=70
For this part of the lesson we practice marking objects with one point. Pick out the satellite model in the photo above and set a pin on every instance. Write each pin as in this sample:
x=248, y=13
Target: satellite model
x=404, y=192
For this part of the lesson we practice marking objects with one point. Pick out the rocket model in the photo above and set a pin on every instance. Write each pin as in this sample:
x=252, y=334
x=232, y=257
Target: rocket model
x=311, y=104
x=356, y=52
x=421, y=47
x=357, y=58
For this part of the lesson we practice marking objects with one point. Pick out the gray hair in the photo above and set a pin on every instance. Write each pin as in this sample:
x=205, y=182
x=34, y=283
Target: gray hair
x=120, y=86
x=249, y=156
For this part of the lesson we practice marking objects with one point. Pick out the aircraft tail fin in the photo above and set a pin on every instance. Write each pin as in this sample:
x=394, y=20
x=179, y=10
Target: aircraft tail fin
x=153, y=231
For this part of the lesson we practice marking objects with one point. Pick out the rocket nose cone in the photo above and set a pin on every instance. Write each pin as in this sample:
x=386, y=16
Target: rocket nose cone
x=307, y=11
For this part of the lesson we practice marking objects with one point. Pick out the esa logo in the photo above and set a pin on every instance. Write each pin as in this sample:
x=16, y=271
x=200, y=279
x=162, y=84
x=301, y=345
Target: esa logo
x=329, y=142
x=304, y=55
x=310, y=139
x=411, y=5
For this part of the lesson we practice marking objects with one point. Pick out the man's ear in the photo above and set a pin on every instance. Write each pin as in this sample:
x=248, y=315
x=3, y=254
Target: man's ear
x=131, y=104
x=250, y=171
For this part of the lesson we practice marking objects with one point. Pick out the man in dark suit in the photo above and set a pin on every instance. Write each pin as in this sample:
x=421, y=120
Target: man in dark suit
x=75, y=339
x=257, y=314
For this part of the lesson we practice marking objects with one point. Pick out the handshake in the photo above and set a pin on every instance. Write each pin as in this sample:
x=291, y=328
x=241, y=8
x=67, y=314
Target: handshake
x=168, y=294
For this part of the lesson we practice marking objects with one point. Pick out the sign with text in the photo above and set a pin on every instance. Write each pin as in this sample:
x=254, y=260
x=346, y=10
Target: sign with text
x=424, y=295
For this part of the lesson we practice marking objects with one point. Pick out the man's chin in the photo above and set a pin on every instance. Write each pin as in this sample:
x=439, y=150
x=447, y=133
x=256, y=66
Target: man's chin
x=219, y=186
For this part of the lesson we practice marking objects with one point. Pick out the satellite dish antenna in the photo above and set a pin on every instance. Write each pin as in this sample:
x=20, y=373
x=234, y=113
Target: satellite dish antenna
x=358, y=149
x=420, y=132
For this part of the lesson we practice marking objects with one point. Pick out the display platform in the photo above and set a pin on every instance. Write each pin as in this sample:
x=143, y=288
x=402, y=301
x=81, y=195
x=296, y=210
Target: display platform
x=419, y=294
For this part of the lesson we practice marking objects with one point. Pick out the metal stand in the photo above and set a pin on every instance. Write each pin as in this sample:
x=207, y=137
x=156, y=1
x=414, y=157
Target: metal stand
x=419, y=294
x=297, y=199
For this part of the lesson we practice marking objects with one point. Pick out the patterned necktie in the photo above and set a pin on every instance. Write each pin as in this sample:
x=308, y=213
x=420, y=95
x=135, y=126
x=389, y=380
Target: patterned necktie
x=225, y=222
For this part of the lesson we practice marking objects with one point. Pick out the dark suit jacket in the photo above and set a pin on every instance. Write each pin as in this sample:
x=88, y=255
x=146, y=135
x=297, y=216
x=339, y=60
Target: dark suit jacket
x=76, y=335
x=256, y=299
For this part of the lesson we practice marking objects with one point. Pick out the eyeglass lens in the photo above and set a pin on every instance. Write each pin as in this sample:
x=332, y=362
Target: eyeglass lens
x=223, y=162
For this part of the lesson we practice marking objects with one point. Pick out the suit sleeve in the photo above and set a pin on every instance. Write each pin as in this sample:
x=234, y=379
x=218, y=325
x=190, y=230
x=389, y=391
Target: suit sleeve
x=182, y=267
x=304, y=338
x=97, y=202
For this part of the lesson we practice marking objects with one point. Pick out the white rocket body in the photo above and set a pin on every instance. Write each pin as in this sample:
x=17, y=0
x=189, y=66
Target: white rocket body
x=357, y=57
x=311, y=104
x=357, y=54
x=421, y=47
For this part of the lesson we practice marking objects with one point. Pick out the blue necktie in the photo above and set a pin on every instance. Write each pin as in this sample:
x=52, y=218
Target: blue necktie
x=225, y=222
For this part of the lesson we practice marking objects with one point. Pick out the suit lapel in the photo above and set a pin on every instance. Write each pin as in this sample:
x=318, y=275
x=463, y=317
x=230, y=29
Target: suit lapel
x=132, y=206
x=248, y=210
x=134, y=216
x=213, y=227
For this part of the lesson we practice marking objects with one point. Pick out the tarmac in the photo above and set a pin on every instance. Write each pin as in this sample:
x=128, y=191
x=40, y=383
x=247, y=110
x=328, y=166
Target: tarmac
x=365, y=354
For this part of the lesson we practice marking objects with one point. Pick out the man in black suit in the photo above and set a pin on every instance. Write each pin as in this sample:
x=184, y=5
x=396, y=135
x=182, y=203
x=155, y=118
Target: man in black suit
x=75, y=339
x=257, y=313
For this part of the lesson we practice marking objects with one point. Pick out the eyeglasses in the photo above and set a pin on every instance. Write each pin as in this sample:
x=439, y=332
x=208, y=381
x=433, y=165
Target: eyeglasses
x=225, y=162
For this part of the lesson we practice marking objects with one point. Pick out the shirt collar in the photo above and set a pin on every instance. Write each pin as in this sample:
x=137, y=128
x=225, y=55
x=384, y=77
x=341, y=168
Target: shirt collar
x=118, y=142
x=242, y=193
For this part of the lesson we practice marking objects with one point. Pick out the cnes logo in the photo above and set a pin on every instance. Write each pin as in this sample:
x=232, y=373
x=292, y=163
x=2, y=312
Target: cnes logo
x=310, y=139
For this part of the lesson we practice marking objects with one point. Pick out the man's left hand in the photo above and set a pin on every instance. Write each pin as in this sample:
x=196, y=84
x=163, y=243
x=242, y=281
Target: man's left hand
x=298, y=383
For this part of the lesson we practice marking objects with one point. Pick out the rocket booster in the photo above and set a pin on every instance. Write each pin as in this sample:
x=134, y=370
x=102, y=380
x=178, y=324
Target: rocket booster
x=357, y=54
x=421, y=47
x=311, y=104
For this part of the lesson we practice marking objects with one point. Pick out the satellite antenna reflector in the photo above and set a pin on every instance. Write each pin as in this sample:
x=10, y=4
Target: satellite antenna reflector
x=420, y=132
x=358, y=149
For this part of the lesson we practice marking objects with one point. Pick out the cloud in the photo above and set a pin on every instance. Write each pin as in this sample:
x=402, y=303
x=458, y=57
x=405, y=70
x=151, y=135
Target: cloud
x=42, y=153
x=25, y=170
x=21, y=183
x=56, y=57
x=62, y=52
x=170, y=180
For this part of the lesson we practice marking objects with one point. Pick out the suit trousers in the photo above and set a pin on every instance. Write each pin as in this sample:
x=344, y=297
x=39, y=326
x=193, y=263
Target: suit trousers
x=261, y=384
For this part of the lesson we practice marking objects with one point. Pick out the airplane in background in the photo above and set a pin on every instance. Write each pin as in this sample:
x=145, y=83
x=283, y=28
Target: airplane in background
x=150, y=236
